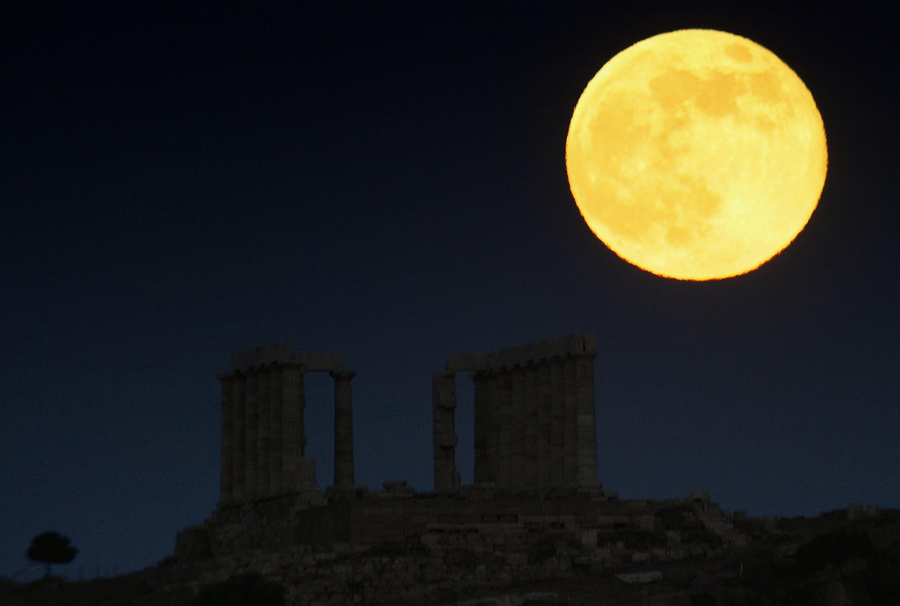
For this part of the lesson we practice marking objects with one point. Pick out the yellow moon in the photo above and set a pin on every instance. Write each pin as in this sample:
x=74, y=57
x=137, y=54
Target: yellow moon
x=696, y=154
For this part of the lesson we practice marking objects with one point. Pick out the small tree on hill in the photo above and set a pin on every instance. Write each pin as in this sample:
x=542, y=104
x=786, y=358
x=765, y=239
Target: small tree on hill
x=51, y=548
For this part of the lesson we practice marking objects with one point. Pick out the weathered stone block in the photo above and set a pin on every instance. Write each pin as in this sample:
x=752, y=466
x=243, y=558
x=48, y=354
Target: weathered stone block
x=319, y=362
x=447, y=440
x=260, y=355
x=854, y=512
x=678, y=552
x=700, y=495
x=589, y=538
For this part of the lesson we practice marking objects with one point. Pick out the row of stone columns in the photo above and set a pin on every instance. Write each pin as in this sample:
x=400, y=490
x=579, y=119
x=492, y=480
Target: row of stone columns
x=534, y=424
x=263, y=439
x=534, y=416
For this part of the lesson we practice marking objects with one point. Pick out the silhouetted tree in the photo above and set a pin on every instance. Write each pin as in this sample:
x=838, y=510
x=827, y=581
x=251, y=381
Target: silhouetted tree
x=51, y=548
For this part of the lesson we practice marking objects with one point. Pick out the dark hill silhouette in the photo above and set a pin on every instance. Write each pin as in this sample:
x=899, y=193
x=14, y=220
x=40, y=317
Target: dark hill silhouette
x=829, y=560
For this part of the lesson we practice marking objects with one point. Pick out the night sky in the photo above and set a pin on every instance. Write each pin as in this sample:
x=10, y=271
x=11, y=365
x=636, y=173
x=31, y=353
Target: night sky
x=178, y=184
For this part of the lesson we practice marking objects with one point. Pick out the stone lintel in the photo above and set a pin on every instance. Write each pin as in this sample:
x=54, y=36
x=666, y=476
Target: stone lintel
x=319, y=362
x=580, y=344
x=468, y=362
x=258, y=356
x=243, y=362
x=543, y=351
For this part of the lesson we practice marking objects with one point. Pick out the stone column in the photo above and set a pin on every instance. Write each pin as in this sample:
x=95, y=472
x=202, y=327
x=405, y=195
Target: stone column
x=544, y=419
x=306, y=474
x=530, y=406
x=239, y=451
x=482, y=422
x=252, y=421
x=506, y=449
x=557, y=423
x=571, y=419
x=520, y=420
x=276, y=484
x=262, y=435
x=226, y=479
x=292, y=402
x=444, y=434
x=343, y=430
x=491, y=385
x=586, y=457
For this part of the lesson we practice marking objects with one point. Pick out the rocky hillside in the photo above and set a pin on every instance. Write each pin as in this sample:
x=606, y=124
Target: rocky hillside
x=837, y=559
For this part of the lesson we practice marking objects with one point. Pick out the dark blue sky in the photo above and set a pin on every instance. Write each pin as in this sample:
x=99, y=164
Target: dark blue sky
x=178, y=184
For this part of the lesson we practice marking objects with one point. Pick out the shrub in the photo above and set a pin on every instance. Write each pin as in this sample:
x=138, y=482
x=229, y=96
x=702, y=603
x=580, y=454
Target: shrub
x=51, y=548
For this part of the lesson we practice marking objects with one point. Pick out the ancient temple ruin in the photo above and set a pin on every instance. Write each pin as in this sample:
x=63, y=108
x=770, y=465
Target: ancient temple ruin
x=263, y=437
x=534, y=420
x=535, y=511
x=534, y=416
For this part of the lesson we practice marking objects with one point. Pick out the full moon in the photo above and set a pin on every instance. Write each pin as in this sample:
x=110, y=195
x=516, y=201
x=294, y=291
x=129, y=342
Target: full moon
x=696, y=155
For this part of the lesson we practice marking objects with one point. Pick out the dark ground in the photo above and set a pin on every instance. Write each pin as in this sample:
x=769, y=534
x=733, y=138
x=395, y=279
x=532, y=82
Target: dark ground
x=823, y=561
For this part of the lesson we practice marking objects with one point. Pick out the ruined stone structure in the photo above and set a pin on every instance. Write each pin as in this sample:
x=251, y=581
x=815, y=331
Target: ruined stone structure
x=534, y=416
x=535, y=511
x=263, y=439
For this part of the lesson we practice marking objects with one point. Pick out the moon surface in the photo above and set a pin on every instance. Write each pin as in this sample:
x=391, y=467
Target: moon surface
x=696, y=154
